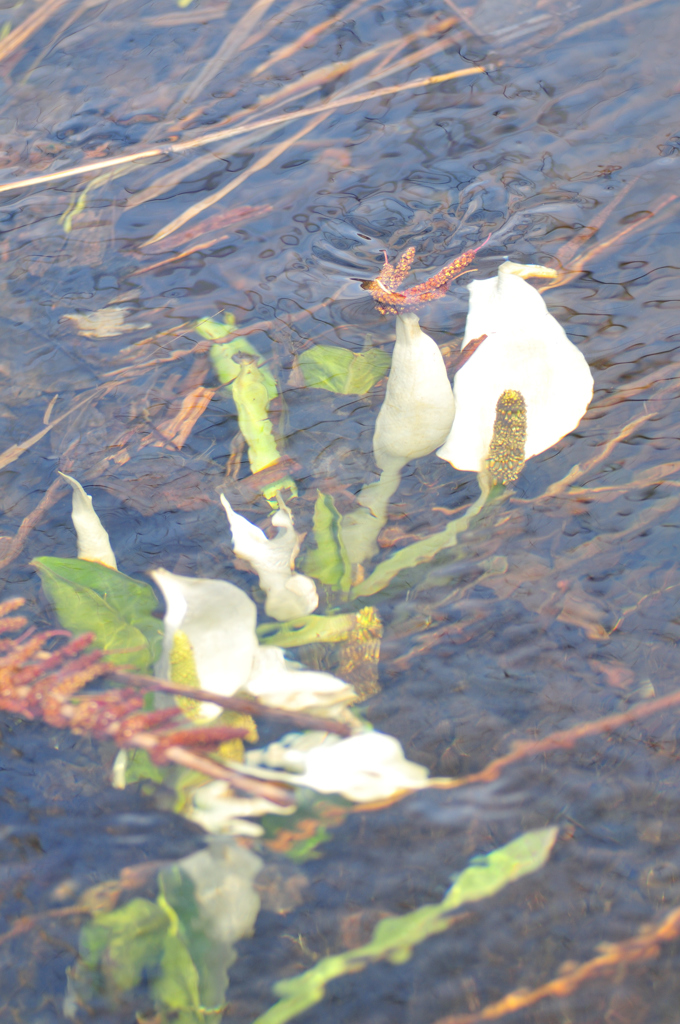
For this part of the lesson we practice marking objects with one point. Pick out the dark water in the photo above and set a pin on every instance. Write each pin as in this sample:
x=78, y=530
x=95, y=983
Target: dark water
x=567, y=150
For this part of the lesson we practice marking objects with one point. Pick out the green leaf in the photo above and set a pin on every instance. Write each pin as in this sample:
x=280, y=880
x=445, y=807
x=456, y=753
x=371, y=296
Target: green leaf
x=91, y=598
x=213, y=330
x=308, y=629
x=124, y=943
x=140, y=766
x=195, y=976
x=252, y=405
x=394, y=938
x=341, y=371
x=328, y=562
x=415, y=554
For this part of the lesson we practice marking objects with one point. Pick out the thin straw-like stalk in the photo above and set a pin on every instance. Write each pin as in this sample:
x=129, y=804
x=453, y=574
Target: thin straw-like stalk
x=265, y=160
x=583, y=26
x=330, y=72
x=231, y=45
x=309, y=37
x=178, y=174
x=227, y=133
x=18, y=36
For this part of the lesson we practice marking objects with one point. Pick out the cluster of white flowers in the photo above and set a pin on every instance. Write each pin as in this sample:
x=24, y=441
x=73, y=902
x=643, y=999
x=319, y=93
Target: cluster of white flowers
x=524, y=387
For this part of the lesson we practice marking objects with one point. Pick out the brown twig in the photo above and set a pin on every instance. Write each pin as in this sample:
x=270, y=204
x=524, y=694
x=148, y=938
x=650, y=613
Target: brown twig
x=245, y=783
x=563, y=739
x=246, y=707
x=29, y=522
x=613, y=955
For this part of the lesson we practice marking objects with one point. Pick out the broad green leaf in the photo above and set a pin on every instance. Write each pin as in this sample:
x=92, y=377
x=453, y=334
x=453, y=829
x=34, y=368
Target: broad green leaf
x=394, y=938
x=214, y=330
x=309, y=629
x=252, y=405
x=341, y=371
x=365, y=370
x=415, y=554
x=195, y=976
x=91, y=598
x=328, y=562
x=124, y=943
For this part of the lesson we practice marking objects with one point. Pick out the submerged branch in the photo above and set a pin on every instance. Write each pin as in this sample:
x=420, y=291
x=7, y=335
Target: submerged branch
x=240, y=704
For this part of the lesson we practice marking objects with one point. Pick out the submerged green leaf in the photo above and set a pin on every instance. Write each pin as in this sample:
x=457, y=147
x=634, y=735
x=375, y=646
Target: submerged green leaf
x=308, y=629
x=328, y=562
x=91, y=598
x=252, y=405
x=227, y=368
x=394, y=938
x=415, y=554
x=214, y=330
x=124, y=943
x=341, y=371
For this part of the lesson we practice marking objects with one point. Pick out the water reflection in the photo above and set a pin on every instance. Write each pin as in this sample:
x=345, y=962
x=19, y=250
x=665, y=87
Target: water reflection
x=561, y=604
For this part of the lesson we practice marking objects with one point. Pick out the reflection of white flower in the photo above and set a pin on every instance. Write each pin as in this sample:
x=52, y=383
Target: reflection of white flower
x=526, y=353
x=362, y=768
x=92, y=539
x=289, y=594
x=417, y=412
x=277, y=683
x=219, y=621
x=218, y=810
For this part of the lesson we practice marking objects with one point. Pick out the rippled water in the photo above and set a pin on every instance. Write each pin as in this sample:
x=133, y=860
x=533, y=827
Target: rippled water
x=558, y=607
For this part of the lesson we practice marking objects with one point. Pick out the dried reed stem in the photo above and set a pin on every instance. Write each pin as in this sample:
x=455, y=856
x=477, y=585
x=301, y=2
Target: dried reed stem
x=172, y=148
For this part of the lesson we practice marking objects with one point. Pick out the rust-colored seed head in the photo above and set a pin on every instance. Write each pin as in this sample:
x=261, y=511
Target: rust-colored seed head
x=390, y=301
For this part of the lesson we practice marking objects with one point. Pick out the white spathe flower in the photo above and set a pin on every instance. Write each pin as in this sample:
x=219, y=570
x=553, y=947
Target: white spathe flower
x=289, y=593
x=363, y=768
x=91, y=537
x=526, y=351
x=414, y=419
x=280, y=685
x=417, y=412
x=219, y=621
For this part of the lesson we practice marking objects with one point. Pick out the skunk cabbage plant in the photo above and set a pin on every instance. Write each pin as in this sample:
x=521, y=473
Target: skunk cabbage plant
x=218, y=620
x=92, y=539
x=524, y=388
x=289, y=594
x=415, y=418
x=417, y=413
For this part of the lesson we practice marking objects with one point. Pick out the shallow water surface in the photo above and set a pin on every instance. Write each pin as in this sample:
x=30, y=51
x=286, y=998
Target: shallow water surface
x=559, y=605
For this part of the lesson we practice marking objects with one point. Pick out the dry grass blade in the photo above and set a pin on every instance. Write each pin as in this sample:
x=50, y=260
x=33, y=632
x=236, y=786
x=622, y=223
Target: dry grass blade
x=232, y=44
x=583, y=26
x=314, y=79
x=227, y=133
x=309, y=37
x=18, y=36
x=613, y=956
x=16, y=544
x=178, y=174
x=264, y=161
x=11, y=454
